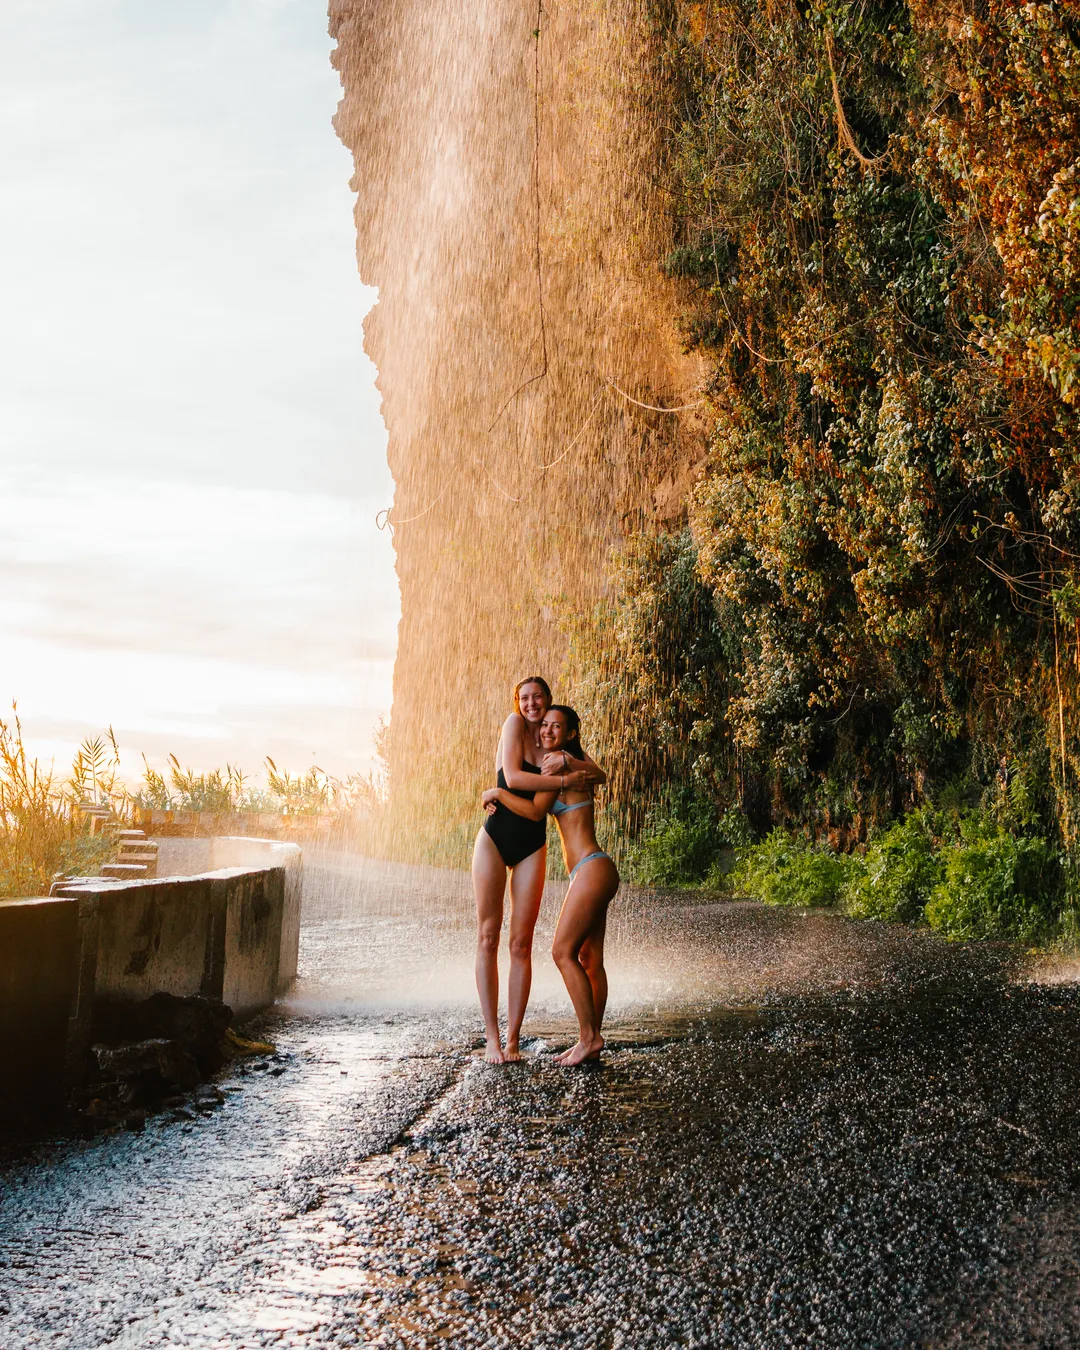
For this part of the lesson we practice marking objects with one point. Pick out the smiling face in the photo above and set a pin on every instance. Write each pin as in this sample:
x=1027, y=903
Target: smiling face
x=532, y=702
x=553, y=730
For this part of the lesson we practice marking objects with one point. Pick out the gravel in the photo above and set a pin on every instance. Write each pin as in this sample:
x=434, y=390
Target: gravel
x=805, y=1132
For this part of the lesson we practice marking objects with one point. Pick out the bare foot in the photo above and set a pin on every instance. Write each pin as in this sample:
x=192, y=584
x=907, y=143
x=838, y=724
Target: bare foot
x=513, y=1051
x=583, y=1052
x=493, y=1053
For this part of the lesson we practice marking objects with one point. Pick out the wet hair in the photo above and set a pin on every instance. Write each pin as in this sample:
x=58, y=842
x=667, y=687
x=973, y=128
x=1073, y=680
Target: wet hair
x=531, y=679
x=573, y=729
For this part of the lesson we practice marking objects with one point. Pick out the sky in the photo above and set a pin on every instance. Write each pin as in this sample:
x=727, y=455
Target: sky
x=191, y=450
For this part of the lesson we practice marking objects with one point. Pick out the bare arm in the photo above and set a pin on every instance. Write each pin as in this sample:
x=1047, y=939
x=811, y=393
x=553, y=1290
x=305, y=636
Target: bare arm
x=553, y=763
x=537, y=809
x=513, y=753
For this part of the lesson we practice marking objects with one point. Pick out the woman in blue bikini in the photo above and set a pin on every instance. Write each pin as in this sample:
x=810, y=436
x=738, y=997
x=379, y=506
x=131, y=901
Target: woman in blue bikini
x=510, y=844
x=578, y=947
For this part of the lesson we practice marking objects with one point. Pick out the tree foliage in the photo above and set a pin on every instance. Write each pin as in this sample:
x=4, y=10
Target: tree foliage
x=876, y=217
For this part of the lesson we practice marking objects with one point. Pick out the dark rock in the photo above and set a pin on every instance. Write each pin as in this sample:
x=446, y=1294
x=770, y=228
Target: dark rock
x=151, y=1067
x=208, y=1098
x=195, y=1023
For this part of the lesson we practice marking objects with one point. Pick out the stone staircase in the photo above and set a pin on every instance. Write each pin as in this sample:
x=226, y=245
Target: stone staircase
x=136, y=859
x=136, y=855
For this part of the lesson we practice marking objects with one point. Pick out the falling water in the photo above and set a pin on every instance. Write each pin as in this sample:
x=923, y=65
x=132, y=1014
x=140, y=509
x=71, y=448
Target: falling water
x=806, y=1131
x=510, y=212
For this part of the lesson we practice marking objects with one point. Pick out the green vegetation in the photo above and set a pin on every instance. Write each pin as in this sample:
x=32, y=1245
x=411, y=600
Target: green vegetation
x=788, y=870
x=867, y=631
x=998, y=887
x=966, y=873
x=684, y=843
x=898, y=873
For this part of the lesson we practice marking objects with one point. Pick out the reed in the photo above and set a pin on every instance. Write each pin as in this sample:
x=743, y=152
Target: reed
x=313, y=793
x=43, y=829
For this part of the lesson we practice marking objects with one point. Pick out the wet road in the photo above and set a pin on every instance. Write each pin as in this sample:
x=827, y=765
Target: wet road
x=808, y=1132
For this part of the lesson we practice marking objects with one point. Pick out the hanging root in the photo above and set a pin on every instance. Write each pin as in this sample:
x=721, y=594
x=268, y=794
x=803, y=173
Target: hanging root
x=843, y=127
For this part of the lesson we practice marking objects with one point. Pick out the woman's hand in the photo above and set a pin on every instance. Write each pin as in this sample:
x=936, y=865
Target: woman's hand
x=490, y=799
x=577, y=781
x=559, y=762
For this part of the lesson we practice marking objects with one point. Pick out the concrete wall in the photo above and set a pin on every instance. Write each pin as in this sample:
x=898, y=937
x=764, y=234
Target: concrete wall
x=195, y=857
x=207, y=824
x=231, y=851
x=45, y=1005
x=68, y=961
x=153, y=936
x=218, y=934
x=254, y=909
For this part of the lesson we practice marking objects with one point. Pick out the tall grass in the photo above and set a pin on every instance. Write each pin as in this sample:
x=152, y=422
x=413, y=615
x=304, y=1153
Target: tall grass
x=314, y=793
x=45, y=828
x=43, y=831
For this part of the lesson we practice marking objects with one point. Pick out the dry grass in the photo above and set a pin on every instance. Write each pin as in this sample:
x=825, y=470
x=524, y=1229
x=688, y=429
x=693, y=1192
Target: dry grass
x=42, y=829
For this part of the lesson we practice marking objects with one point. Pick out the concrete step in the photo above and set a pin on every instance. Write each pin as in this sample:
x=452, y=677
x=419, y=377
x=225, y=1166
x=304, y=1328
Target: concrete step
x=60, y=882
x=133, y=847
x=125, y=871
x=135, y=836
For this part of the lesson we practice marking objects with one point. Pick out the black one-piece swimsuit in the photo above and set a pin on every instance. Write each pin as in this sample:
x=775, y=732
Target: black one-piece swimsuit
x=513, y=835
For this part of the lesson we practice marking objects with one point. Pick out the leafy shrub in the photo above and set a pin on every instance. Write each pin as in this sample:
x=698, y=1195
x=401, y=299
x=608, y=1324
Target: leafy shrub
x=783, y=870
x=686, y=843
x=1068, y=928
x=898, y=874
x=998, y=886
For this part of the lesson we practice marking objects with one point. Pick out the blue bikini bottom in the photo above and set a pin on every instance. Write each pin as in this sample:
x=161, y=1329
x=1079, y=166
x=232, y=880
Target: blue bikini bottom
x=582, y=861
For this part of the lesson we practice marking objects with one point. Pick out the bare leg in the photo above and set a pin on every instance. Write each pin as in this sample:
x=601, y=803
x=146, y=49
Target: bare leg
x=584, y=908
x=526, y=892
x=591, y=957
x=489, y=883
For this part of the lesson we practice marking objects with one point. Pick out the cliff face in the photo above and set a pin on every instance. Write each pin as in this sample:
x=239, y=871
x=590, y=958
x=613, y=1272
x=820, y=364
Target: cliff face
x=508, y=212
x=871, y=600
x=876, y=605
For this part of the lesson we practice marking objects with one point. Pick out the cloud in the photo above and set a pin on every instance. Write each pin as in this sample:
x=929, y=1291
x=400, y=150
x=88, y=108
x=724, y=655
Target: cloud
x=176, y=247
x=335, y=738
x=290, y=579
x=191, y=451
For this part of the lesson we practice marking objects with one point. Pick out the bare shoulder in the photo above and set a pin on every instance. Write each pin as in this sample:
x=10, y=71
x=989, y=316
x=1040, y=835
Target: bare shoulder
x=514, y=725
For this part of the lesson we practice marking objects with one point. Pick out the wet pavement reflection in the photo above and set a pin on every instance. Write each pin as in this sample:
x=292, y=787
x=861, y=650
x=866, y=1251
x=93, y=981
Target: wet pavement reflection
x=806, y=1132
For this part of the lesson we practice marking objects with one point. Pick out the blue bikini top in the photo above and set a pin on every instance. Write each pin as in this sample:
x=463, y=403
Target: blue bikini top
x=560, y=808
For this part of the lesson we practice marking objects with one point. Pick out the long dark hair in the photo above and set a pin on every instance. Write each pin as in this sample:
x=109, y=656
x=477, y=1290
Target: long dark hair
x=531, y=679
x=573, y=729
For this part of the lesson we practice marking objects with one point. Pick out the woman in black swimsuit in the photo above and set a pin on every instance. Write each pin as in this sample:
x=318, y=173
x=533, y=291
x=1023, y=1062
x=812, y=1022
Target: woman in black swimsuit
x=578, y=948
x=507, y=842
